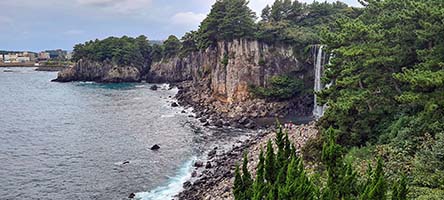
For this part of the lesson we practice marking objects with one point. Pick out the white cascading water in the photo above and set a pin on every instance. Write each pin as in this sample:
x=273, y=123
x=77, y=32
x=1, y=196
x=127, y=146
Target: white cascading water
x=318, y=111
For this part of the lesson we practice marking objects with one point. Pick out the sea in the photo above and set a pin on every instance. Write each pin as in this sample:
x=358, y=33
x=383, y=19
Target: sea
x=85, y=140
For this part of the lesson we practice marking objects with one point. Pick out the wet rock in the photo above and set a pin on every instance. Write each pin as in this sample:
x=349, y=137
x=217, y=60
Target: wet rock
x=250, y=125
x=208, y=165
x=187, y=185
x=155, y=147
x=243, y=120
x=154, y=87
x=183, y=112
x=198, y=164
x=212, y=153
x=218, y=123
x=203, y=120
x=132, y=196
x=194, y=174
x=174, y=105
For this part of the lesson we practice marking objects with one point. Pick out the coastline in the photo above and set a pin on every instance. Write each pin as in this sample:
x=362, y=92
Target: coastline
x=216, y=182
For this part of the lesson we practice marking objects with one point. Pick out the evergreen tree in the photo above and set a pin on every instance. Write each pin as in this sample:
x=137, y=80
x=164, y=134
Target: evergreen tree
x=266, y=14
x=228, y=20
x=376, y=188
x=259, y=183
x=247, y=181
x=171, y=46
x=270, y=165
x=238, y=189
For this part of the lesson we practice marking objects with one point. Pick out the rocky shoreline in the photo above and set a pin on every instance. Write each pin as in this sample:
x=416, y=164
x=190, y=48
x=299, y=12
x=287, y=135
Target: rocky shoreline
x=251, y=113
x=214, y=179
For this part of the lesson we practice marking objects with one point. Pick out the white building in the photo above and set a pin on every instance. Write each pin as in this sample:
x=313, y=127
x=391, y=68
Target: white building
x=23, y=59
x=11, y=57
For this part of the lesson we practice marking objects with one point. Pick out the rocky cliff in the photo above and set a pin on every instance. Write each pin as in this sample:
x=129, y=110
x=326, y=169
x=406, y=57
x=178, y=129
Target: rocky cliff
x=85, y=70
x=230, y=67
x=216, y=81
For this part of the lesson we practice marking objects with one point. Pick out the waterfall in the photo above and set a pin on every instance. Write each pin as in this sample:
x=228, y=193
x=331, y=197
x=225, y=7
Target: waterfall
x=318, y=111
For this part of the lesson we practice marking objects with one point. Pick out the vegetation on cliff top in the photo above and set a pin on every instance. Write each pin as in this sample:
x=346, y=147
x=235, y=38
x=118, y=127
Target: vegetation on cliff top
x=124, y=51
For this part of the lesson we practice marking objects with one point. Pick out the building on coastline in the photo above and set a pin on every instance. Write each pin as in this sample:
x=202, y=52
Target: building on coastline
x=43, y=56
x=23, y=59
x=11, y=58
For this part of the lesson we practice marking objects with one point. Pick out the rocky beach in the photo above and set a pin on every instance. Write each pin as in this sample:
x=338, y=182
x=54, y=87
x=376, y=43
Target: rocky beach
x=213, y=179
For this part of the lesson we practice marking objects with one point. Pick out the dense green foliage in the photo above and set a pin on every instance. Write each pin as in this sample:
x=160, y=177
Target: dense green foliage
x=228, y=20
x=121, y=51
x=280, y=88
x=171, y=47
x=298, y=24
x=286, y=21
x=282, y=175
x=388, y=86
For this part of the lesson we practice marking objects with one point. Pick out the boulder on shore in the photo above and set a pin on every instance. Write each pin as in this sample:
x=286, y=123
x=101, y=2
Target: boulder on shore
x=155, y=147
x=174, y=105
x=154, y=87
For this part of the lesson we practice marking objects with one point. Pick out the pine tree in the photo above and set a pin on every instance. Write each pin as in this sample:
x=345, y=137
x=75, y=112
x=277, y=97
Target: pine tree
x=266, y=12
x=238, y=189
x=259, y=183
x=376, y=187
x=270, y=165
x=247, y=181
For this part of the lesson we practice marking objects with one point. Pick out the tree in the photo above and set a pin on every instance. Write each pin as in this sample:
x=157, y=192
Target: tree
x=228, y=20
x=238, y=189
x=342, y=181
x=259, y=183
x=247, y=181
x=270, y=164
x=171, y=47
x=266, y=14
x=124, y=51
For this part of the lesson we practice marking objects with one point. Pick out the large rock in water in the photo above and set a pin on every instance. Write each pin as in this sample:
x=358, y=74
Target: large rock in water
x=106, y=72
x=230, y=67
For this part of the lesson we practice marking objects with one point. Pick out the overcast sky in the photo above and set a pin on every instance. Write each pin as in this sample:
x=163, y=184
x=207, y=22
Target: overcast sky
x=51, y=24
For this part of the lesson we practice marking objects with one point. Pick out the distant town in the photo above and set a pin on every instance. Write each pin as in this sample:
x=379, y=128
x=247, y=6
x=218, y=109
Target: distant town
x=27, y=58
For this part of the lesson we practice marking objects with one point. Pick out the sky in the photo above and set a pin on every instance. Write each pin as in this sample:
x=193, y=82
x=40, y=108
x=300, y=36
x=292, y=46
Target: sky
x=37, y=25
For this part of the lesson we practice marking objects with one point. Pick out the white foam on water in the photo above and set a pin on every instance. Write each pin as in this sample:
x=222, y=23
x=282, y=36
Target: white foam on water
x=168, y=116
x=173, y=187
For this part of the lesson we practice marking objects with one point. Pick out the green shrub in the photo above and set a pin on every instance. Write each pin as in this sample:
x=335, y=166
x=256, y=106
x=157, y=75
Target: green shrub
x=280, y=88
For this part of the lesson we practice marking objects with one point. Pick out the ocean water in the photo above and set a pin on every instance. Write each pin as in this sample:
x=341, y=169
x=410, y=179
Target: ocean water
x=71, y=140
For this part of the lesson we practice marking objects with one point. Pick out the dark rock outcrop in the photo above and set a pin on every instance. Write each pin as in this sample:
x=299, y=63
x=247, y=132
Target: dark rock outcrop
x=107, y=72
x=155, y=147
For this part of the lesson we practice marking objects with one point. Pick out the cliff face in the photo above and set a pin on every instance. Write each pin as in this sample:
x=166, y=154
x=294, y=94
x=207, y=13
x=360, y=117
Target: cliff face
x=85, y=70
x=230, y=68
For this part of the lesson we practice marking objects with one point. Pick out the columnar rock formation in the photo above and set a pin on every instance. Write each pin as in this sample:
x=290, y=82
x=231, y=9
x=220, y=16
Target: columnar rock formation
x=230, y=67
